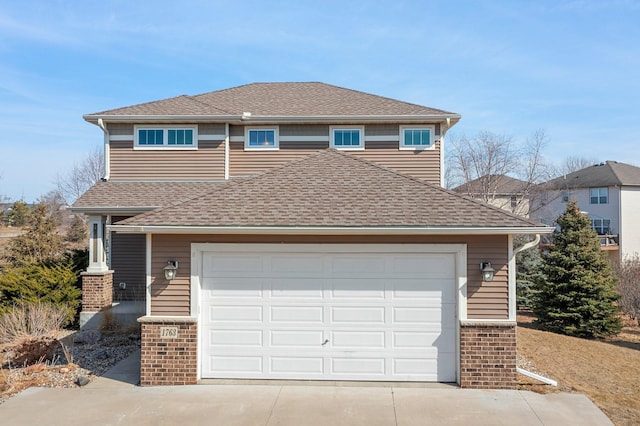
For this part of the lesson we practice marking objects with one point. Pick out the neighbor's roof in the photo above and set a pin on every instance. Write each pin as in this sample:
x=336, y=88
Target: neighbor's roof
x=331, y=189
x=275, y=100
x=498, y=184
x=610, y=173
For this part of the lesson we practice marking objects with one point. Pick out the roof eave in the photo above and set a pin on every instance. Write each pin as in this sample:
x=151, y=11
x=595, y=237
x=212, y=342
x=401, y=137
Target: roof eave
x=328, y=230
x=112, y=210
x=258, y=119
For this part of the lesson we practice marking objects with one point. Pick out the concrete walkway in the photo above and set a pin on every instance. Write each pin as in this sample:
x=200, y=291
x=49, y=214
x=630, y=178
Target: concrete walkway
x=114, y=399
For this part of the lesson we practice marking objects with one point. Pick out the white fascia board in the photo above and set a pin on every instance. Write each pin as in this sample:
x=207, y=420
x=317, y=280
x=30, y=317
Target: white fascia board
x=256, y=119
x=112, y=210
x=313, y=230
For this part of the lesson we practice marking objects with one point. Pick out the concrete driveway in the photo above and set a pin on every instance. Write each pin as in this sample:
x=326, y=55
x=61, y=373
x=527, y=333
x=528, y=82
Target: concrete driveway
x=115, y=400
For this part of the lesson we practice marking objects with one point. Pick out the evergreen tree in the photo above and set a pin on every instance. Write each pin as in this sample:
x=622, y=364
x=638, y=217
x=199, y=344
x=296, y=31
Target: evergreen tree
x=40, y=244
x=56, y=284
x=578, y=294
x=78, y=230
x=528, y=274
x=18, y=214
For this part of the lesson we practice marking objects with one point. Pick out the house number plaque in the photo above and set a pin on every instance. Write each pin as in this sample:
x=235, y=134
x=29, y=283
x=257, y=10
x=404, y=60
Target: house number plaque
x=168, y=332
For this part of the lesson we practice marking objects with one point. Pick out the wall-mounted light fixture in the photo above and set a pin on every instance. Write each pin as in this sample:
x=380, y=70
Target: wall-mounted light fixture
x=487, y=271
x=170, y=270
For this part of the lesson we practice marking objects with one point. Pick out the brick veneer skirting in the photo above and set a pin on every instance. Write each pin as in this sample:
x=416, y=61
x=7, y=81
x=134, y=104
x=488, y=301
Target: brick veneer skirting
x=168, y=361
x=488, y=355
x=97, y=290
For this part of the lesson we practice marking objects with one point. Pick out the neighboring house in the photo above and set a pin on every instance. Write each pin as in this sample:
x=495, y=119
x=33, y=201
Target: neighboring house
x=502, y=191
x=299, y=231
x=609, y=193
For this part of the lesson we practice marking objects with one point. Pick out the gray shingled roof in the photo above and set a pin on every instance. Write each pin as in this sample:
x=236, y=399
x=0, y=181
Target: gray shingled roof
x=500, y=184
x=311, y=99
x=610, y=173
x=139, y=196
x=330, y=189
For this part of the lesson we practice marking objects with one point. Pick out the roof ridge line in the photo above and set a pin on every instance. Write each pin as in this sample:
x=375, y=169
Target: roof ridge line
x=617, y=176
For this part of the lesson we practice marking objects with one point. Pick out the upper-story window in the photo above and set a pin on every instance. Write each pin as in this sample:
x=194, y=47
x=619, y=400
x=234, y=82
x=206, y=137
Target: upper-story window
x=599, y=195
x=261, y=138
x=347, y=138
x=601, y=226
x=416, y=138
x=166, y=137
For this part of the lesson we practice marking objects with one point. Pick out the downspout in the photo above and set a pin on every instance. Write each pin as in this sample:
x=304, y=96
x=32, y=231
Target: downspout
x=107, y=169
x=443, y=131
x=535, y=376
x=528, y=245
x=226, y=151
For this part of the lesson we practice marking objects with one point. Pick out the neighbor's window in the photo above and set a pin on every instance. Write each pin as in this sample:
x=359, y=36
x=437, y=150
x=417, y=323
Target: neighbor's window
x=417, y=137
x=601, y=226
x=171, y=137
x=347, y=138
x=263, y=138
x=599, y=195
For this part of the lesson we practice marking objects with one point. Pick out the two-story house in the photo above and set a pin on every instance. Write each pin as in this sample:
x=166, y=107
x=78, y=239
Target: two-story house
x=609, y=193
x=299, y=231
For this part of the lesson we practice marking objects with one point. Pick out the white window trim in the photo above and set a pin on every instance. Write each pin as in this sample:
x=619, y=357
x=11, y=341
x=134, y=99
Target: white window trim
x=275, y=129
x=332, y=130
x=599, y=188
x=432, y=145
x=165, y=146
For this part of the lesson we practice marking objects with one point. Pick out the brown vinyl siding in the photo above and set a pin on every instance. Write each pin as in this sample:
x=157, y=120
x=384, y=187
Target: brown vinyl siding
x=205, y=163
x=128, y=254
x=424, y=164
x=120, y=129
x=244, y=163
x=484, y=300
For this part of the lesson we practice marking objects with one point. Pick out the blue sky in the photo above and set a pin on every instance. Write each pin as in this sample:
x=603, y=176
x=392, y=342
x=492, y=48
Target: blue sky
x=569, y=67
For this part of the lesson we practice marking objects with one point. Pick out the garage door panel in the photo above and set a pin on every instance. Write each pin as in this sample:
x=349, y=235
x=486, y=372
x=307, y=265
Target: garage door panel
x=226, y=263
x=296, y=338
x=351, y=265
x=297, y=365
x=297, y=314
x=296, y=263
x=348, y=339
x=434, y=266
x=349, y=288
x=356, y=314
x=309, y=288
x=235, y=337
x=354, y=366
x=235, y=313
x=328, y=315
x=236, y=364
x=234, y=288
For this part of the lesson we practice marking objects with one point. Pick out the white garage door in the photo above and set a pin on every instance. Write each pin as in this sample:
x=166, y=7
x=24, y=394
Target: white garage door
x=328, y=312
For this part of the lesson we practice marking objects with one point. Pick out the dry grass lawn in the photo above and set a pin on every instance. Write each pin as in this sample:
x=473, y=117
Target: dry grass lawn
x=608, y=371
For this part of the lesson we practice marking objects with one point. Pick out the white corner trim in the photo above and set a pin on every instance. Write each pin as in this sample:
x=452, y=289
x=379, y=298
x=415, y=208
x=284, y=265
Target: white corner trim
x=511, y=279
x=148, y=273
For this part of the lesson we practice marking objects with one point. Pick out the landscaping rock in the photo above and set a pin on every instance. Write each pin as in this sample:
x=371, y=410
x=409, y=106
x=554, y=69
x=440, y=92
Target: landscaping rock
x=82, y=381
x=87, y=336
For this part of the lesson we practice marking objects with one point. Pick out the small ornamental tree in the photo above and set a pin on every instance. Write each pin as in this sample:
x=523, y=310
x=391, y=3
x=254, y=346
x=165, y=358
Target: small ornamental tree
x=577, y=296
x=18, y=214
x=40, y=243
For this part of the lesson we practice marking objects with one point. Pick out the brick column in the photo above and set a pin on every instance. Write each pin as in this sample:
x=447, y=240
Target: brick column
x=488, y=354
x=169, y=351
x=97, y=291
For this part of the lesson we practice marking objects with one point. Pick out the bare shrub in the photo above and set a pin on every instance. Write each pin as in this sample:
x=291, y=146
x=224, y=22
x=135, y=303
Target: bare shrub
x=31, y=320
x=628, y=272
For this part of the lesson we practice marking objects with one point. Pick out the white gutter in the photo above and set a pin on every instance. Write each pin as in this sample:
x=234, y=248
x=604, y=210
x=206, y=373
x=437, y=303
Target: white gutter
x=443, y=131
x=107, y=168
x=528, y=245
x=273, y=118
x=317, y=230
x=537, y=377
x=226, y=151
